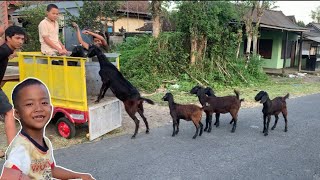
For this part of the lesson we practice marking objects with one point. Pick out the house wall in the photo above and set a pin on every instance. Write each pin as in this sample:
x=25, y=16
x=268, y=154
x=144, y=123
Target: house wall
x=277, y=37
x=130, y=24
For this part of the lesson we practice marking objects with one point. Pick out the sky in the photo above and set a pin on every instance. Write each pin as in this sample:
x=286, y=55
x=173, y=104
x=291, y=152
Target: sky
x=300, y=9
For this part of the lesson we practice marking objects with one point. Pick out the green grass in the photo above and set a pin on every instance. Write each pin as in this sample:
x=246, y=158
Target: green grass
x=278, y=86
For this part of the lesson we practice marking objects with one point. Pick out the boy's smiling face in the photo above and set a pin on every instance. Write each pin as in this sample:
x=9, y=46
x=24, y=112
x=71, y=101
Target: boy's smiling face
x=34, y=107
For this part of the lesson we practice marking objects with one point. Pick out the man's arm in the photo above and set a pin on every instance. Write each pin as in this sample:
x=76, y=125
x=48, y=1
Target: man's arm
x=104, y=42
x=63, y=173
x=84, y=44
x=10, y=126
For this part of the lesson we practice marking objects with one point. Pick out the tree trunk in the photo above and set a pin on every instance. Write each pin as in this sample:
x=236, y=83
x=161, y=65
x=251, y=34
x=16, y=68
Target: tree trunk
x=254, y=46
x=202, y=41
x=156, y=12
x=193, y=49
x=249, y=39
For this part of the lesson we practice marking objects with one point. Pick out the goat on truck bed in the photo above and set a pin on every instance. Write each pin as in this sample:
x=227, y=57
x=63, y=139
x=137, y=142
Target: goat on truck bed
x=188, y=112
x=272, y=107
x=121, y=88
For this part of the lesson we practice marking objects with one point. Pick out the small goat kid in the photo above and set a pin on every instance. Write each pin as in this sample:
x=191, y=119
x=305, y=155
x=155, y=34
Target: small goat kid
x=188, y=112
x=121, y=88
x=272, y=107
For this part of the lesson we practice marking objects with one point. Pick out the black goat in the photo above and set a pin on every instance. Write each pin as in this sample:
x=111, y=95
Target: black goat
x=218, y=105
x=208, y=91
x=121, y=88
x=188, y=112
x=272, y=107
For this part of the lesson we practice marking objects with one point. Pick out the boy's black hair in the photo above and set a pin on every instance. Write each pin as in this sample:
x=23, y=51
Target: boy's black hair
x=25, y=83
x=51, y=6
x=14, y=30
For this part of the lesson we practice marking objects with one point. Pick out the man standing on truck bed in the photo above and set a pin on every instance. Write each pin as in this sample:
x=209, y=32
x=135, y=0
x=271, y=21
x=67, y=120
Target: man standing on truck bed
x=14, y=39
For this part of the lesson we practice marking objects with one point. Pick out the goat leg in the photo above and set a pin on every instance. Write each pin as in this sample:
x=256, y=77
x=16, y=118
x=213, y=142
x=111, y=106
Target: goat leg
x=210, y=123
x=217, y=123
x=105, y=89
x=178, y=122
x=286, y=122
x=264, y=123
x=197, y=130
x=140, y=111
x=234, y=125
x=275, y=122
x=266, y=132
x=101, y=91
x=201, y=128
x=207, y=121
x=174, y=128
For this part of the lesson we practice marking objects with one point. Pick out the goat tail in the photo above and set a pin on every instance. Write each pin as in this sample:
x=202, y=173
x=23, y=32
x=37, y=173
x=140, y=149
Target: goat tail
x=147, y=100
x=286, y=97
x=241, y=100
x=237, y=93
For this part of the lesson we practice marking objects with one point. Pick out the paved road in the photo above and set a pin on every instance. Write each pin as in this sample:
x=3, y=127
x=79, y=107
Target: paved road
x=246, y=154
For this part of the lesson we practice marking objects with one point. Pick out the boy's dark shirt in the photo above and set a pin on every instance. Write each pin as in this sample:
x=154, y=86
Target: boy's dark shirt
x=5, y=52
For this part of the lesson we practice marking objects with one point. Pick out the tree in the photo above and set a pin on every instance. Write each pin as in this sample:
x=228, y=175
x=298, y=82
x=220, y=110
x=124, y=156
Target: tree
x=301, y=24
x=315, y=15
x=252, y=29
x=94, y=15
x=31, y=17
x=156, y=17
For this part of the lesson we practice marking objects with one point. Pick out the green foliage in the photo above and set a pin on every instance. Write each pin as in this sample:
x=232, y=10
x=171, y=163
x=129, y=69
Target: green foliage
x=315, y=15
x=33, y=16
x=153, y=63
x=301, y=24
x=91, y=14
x=148, y=62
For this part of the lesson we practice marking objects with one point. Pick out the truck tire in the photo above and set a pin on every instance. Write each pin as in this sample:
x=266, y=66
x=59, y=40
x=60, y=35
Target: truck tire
x=65, y=128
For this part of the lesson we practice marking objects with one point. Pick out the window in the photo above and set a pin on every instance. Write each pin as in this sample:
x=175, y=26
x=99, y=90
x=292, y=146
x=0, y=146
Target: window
x=289, y=49
x=265, y=48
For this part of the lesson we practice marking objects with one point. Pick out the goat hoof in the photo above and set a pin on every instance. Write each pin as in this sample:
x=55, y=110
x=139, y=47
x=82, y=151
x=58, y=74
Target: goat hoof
x=205, y=129
x=286, y=130
x=173, y=135
x=265, y=134
x=133, y=137
x=217, y=125
x=272, y=128
x=97, y=101
x=233, y=130
x=194, y=137
x=147, y=131
x=209, y=130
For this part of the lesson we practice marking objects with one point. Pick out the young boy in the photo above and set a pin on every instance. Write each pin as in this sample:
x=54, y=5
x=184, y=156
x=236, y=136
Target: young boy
x=30, y=155
x=49, y=33
x=98, y=39
x=14, y=39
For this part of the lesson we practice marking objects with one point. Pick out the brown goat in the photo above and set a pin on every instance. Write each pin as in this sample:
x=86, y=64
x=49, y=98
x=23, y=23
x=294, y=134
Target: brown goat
x=218, y=105
x=272, y=107
x=188, y=112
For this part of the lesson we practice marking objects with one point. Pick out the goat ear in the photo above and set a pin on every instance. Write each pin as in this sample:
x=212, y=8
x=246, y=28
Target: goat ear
x=264, y=99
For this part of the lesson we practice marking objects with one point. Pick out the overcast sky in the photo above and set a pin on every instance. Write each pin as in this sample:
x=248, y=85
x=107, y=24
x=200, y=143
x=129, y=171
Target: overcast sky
x=300, y=9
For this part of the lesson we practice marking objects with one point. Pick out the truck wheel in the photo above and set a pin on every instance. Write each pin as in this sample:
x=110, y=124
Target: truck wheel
x=65, y=128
